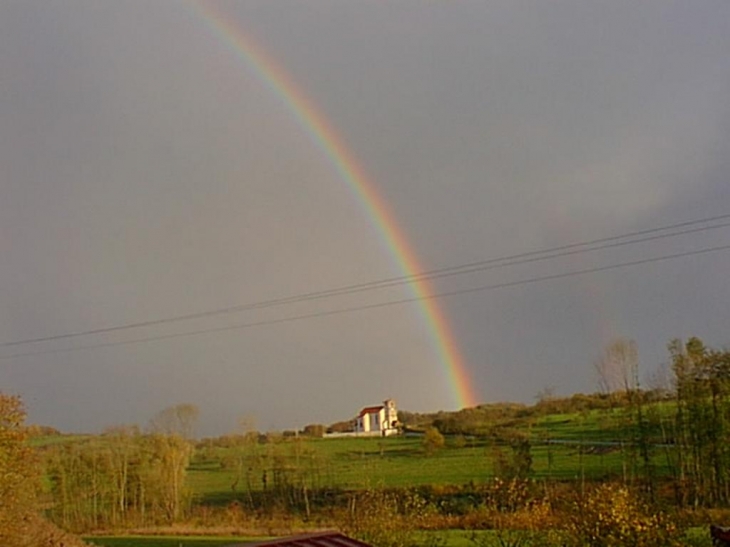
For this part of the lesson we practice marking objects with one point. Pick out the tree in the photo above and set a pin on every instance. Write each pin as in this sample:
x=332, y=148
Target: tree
x=169, y=452
x=314, y=430
x=122, y=448
x=702, y=378
x=516, y=465
x=169, y=457
x=20, y=522
x=341, y=427
x=432, y=440
x=618, y=370
x=18, y=473
x=179, y=420
x=618, y=366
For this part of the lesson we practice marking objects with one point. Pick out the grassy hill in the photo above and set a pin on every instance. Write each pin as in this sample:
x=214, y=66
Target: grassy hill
x=588, y=444
x=563, y=446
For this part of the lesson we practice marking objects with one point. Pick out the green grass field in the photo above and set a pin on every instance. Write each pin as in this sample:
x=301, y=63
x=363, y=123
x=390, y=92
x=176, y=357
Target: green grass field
x=51, y=440
x=563, y=447
x=573, y=449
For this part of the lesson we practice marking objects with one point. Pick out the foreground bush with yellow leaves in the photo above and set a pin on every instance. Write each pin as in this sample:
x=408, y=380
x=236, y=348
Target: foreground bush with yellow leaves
x=613, y=515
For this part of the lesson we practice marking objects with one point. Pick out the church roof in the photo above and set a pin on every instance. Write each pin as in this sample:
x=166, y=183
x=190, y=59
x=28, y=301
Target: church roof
x=371, y=410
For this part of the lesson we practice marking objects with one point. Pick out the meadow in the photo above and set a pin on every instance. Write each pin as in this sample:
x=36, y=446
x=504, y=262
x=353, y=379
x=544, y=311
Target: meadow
x=638, y=467
x=563, y=447
x=491, y=475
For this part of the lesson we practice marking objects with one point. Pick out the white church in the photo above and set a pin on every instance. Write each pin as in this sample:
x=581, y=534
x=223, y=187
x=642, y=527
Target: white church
x=379, y=420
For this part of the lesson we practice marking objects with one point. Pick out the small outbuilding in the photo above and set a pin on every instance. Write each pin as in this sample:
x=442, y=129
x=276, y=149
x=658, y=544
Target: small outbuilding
x=330, y=538
x=720, y=536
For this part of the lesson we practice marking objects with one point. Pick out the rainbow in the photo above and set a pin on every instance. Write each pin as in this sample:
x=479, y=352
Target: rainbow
x=334, y=148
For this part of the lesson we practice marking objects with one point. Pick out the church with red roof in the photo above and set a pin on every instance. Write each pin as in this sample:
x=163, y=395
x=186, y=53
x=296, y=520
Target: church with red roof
x=378, y=420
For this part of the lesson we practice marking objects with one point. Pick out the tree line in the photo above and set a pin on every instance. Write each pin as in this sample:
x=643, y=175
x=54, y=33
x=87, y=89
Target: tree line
x=124, y=477
x=120, y=479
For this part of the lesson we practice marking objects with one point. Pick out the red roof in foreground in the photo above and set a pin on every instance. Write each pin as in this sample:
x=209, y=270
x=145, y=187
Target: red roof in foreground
x=323, y=539
x=371, y=410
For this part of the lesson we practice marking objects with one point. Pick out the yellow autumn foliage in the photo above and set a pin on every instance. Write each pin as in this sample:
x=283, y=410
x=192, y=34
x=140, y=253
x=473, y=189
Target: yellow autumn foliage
x=614, y=515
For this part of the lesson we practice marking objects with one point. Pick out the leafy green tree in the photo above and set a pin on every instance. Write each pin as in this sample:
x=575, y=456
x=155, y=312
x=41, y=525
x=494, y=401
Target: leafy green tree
x=433, y=440
x=702, y=422
x=517, y=464
x=168, y=460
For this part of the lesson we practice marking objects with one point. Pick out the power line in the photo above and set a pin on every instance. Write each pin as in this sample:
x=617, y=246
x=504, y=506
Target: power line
x=462, y=269
x=389, y=303
x=502, y=263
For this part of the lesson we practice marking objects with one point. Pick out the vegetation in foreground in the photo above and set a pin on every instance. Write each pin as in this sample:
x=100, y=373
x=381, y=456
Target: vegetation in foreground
x=20, y=522
x=627, y=466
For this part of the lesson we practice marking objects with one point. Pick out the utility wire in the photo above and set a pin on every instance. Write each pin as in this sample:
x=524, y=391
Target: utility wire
x=503, y=263
x=389, y=303
x=500, y=262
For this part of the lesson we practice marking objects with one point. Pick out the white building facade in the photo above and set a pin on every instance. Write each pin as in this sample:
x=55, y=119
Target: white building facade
x=379, y=420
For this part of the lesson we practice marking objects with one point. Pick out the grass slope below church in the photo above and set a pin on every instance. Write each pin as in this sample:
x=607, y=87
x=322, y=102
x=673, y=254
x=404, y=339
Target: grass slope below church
x=565, y=446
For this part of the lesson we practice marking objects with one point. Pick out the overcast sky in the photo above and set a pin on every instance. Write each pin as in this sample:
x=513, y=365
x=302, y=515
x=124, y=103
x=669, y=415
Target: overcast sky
x=147, y=172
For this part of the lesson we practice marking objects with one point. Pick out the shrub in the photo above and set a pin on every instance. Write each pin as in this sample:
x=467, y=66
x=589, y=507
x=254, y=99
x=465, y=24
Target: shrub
x=432, y=440
x=388, y=519
x=314, y=430
x=613, y=515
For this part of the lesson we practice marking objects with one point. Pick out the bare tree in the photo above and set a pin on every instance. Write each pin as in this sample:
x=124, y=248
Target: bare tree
x=618, y=366
x=618, y=371
x=177, y=420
